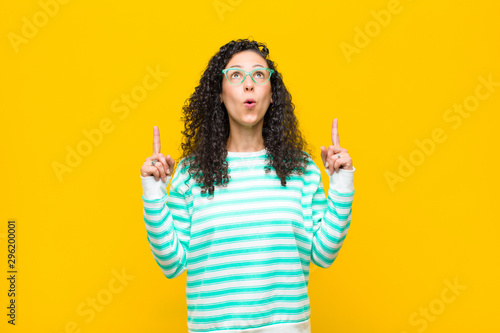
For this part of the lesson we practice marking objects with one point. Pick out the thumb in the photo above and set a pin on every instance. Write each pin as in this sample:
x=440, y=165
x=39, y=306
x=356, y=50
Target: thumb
x=171, y=163
x=323, y=154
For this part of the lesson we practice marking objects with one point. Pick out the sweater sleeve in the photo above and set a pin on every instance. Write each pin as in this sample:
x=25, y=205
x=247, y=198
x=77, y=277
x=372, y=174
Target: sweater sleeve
x=331, y=217
x=168, y=224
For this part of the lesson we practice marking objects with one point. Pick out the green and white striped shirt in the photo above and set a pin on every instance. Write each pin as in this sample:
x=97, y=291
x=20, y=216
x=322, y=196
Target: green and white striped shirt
x=247, y=251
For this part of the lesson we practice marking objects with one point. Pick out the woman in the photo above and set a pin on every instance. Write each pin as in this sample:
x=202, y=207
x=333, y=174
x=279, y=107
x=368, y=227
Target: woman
x=246, y=212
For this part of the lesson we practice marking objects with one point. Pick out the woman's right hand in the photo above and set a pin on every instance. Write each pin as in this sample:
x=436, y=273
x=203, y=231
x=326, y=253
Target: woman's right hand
x=165, y=165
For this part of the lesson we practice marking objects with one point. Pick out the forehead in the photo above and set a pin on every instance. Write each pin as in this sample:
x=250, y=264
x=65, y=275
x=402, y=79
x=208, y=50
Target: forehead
x=247, y=59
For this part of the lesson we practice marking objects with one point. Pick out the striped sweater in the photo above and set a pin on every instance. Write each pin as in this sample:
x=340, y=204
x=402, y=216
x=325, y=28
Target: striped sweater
x=247, y=251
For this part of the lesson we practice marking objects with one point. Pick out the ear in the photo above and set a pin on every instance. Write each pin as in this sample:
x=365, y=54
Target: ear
x=220, y=98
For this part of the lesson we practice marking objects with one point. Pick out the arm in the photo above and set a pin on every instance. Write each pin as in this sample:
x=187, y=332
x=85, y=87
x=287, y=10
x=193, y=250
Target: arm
x=331, y=217
x=168, y=224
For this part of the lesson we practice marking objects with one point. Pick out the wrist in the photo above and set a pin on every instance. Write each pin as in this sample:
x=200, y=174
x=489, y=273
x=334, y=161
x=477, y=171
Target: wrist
x=154, y=189
x=342, y=181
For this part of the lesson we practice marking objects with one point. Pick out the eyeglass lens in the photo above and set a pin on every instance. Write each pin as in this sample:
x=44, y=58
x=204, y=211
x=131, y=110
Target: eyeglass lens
x=236, y=76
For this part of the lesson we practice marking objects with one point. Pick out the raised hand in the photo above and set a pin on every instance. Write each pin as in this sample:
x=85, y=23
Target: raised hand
x=163, y=166
x=335, y=158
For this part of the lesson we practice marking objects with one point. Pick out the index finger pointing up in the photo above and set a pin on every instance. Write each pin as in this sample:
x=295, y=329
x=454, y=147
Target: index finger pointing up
x=335, y=133
x=156, y=140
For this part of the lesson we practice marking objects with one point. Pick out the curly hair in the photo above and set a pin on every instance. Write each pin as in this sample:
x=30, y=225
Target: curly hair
x=206, y=124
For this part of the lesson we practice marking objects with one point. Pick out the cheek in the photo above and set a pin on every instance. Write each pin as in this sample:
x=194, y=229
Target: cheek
x=269, y=95
x=229, y=94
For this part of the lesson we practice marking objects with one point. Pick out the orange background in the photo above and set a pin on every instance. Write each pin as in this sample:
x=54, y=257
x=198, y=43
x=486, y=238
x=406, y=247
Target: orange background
x=391, y=72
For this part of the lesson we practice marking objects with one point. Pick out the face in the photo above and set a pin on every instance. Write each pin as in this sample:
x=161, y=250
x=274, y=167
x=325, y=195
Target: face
x=234, y=96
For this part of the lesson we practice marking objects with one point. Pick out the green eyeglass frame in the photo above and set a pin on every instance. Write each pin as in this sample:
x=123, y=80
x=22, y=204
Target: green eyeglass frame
x=271, y=71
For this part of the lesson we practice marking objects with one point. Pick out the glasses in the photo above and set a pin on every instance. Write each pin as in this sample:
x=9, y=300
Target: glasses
x=236, y=76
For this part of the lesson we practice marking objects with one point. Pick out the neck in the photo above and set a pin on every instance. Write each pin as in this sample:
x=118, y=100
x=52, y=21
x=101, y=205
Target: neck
x=245, y=142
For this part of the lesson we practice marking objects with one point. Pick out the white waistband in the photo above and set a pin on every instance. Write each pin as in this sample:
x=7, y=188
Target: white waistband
x=301, y=327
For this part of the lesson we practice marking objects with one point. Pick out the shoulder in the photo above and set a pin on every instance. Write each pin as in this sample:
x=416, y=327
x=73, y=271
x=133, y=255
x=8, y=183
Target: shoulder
x=311, y=166
x=181, y=178
x=312, y=172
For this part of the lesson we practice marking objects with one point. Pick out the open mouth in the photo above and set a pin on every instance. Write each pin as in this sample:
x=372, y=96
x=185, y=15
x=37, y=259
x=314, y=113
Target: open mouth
x=250, y=102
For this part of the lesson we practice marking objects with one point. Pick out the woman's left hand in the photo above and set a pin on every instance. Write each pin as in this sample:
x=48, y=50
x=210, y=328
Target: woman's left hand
x=336, y=158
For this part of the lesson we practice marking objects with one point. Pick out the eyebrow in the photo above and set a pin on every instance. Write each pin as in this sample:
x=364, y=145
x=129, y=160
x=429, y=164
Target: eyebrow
x=256, y=65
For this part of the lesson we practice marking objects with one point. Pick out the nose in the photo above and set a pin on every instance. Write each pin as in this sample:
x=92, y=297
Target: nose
x=248, y=83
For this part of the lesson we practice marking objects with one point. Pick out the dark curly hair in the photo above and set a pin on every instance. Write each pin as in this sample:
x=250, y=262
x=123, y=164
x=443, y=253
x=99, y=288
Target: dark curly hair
x=206, y=124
